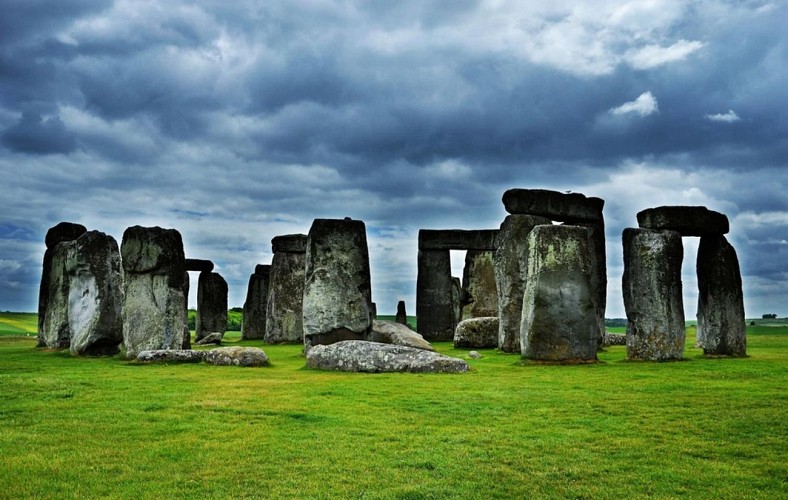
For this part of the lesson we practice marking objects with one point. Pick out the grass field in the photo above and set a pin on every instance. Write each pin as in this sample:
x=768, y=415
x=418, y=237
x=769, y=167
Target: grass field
x=702, y=428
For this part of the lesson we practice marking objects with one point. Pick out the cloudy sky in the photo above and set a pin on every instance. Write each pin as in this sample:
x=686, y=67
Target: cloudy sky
x=236, y=121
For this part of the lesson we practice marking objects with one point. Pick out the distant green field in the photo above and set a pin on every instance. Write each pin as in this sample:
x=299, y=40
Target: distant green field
x=12, y=323
x=105, y=427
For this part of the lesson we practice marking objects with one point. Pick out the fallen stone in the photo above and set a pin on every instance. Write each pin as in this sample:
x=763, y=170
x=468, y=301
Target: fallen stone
x=479, y=333
x=170, y=356
x=557, y=206
x=458, y=239
x=211, y=305
x=199, y=265
x=687, y=221
x=63, y=231
x=474, y=355
x=389, y=332
x=211, y=338
x=236, y=356
x=374, y=357
x=253, y=322
x=615, y=339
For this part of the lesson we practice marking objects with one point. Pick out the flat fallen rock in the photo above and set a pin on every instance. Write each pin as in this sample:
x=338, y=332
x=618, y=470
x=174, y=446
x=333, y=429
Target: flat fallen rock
x=374, y=357
x=236, y=356
x=687, y=221
x=389, y=332
x=170, y=356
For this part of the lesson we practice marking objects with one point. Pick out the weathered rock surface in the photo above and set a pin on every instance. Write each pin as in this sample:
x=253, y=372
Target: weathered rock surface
x=253, y=323
x=236, y=356
x=474, y=355
x=615, y=339
x=64, y=231
x=154, y=306
x=511, y=265
x=170, y=356
x=211, y=338
x=337, y=293
x=559, y=320
x=95, y=297
x=563, y=207
x=652, y=294
x=389, y=332
x=477, y=333
x=478, y=281
x=596, y=232
x=187, y=334
x=434, y=304
x=284, y=307
x=458, y=239
x=211, y=305
x=721, y=323
x=402, y=315
x=53, y=328
x=205, y=266
x=374, y=357
x=687, y=221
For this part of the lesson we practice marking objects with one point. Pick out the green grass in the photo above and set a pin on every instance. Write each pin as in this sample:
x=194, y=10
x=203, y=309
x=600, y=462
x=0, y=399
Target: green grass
x=12, y=323
x=702, y=428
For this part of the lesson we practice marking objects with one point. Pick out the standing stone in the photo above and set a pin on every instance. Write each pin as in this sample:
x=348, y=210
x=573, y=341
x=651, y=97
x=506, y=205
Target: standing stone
x=211, y=305
x=434, y=304
x=53, y=330
x=402, y=316
x=479, y=284
x=559, y=306
x=253, y=322
x=511, y=265
x=95, y=298
x=596, y=232
x=154, y=310
x=284, y=307
x=337, y=291
x=187, y=334
x=373, y=310
x=721, y=323
x=458, y=300
x=652, y=294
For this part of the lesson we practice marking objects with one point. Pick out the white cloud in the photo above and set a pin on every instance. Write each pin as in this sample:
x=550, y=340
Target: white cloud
x=644, y=105
x=728, y=117
x=652, y=56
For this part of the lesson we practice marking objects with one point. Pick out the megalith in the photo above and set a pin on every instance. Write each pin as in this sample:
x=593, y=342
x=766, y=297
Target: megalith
x=211, y=305
x=652, y=294
x=511, y=265
x=687, y=221
x=337, y=288
x=559, y=317
x=200, y=265
x=95, y=297
x=187, y=334
x=477, y=333
x=402, y=315
x=721, y=323
x=434, y=292
x=284, y=305
x=53, y=328
x=154, y=310
x=253, y=322
x=478, y=282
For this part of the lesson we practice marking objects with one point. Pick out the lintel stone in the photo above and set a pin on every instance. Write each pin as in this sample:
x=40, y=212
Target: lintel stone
x=458, y=239
x=687, y=221
x=290, y=243
x=199, y=265
x=557, y=206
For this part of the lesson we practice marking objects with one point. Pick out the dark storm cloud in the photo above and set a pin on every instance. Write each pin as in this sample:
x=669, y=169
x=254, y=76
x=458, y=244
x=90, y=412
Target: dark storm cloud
x=36, y=135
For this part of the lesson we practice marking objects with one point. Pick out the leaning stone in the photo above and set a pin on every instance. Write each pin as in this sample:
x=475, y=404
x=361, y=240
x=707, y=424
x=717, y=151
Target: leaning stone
x=477, y=333
x=478, y=280
x=53, y=328
x=170, y=356
x=688, y=221
x=64, y=231
x=389, y=332
x=563, y=207
x=253, y=322
x=284, y=306
x=434, y=303
x=559, y=307
x=511, y=264
x=95, y=298
x=200, y=265
x=211, y=305
x=652, y=294
x=154, y=305
x=374, y=357
x=721, y=324
x=236, y=356
x=337, y=292
x=211, y=338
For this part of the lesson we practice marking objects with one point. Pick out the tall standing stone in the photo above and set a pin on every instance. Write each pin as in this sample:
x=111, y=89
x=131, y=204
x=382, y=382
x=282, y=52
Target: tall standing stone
x=187, y=334
x=721, y=323
x=154, y=310
x=402, y=316
x=479, y=284
x=253, y=323
x=652, y=294
x=559, y=306
x=511, y=265
x=458, y=300
x=337, y=289
x=53, y=329
x=284, y=307
x=434, y=304
x=211, y=305
x=596, y=232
